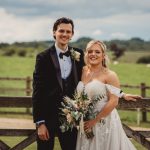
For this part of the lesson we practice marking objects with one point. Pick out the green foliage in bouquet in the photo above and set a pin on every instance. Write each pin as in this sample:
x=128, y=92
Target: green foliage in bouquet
x=74, y=108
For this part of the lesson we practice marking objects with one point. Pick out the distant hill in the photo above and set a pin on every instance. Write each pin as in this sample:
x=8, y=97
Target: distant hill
x=31, y=48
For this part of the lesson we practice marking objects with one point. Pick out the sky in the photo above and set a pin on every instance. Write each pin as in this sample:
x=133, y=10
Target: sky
x=32, y=20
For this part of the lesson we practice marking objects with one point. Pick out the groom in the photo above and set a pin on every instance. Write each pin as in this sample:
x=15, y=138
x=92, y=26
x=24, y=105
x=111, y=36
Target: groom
x=57, y=72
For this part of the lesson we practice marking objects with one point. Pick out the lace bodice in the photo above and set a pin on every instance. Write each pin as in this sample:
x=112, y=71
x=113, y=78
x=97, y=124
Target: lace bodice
x=92, y=88
x=96, y=88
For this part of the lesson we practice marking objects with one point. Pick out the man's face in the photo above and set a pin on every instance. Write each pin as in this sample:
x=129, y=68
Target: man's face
x=63, y=34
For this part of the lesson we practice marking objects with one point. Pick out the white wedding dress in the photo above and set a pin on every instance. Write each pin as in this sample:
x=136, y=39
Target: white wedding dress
x=108, y=135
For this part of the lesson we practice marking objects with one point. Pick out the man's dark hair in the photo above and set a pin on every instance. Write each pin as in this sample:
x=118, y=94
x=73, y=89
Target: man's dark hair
x=63, y=20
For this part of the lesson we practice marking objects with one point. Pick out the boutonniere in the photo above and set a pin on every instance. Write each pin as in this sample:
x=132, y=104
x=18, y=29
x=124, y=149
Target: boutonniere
x=75, y=55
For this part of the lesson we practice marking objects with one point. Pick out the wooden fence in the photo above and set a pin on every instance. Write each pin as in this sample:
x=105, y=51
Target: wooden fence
x=28, y=86
x=140, y=136
x=28, y=91
x=27, y=82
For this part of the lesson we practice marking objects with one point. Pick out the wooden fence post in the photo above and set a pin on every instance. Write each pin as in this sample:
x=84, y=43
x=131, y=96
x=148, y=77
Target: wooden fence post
x=138, y=116
x=143, y=94
x=28, y=91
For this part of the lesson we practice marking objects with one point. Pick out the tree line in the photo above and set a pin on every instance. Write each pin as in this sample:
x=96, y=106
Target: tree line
x=29, y=49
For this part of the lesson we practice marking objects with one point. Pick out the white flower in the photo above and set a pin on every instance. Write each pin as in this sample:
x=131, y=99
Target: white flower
x=75, y=55
x=69, y=118
x=66, y=111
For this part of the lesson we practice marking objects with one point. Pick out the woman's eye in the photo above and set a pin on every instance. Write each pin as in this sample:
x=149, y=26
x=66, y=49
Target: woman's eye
x=97, y=52
x=89, y=52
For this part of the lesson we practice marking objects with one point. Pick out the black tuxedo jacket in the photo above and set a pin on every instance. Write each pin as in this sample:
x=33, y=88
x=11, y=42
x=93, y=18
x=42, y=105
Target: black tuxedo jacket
x=47, y=84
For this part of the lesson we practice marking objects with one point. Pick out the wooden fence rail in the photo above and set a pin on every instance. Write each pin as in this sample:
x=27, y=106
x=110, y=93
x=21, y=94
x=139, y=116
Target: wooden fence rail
x=139, y=136
x=28, y=91
x=28, y=85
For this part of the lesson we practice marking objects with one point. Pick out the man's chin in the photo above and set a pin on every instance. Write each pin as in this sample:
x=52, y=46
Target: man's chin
x=64, y=43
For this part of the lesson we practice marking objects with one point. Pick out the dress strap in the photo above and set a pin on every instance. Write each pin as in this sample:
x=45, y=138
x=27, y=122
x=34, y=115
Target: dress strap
x=114, y=90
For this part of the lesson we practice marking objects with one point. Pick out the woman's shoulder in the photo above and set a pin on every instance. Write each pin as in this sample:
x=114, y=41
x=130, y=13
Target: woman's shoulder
x=112, y=78
x=111, y=73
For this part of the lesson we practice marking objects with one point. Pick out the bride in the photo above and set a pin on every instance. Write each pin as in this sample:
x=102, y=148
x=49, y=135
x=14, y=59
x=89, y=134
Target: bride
x=97, y=79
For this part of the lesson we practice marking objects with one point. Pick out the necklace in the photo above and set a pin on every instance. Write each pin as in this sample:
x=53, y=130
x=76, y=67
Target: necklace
x=90, y=75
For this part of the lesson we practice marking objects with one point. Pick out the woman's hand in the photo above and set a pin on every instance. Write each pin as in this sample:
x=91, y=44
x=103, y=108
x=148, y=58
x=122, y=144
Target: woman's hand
x=43, y=133
x=131, y=97
x=89, y=124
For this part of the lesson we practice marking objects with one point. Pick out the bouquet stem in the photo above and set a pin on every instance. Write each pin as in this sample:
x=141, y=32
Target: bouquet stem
x=89, y=133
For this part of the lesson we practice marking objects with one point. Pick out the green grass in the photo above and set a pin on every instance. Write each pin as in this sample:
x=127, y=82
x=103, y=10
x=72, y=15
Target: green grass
x=23, y=67
x=138, y=146
x=16, y=66
x=130, y=118
x=132, y=57
x=132, y=73
x=12, y=141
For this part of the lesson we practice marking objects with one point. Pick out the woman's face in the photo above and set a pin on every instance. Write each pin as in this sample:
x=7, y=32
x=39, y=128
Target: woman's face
x=95, y=55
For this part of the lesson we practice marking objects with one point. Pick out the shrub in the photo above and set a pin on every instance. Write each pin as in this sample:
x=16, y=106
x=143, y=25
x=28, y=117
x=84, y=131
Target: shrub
x=9, y=52
x=22, y=52
x=144, y=60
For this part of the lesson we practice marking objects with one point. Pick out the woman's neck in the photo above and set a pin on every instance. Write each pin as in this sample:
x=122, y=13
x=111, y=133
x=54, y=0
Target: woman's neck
x=96, y=69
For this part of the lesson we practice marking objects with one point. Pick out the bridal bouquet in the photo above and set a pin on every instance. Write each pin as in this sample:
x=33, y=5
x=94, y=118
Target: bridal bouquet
x=78, y=109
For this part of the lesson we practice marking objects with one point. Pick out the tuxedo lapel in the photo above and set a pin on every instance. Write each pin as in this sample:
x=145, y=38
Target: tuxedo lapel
x=74, y=70
x=54, y=57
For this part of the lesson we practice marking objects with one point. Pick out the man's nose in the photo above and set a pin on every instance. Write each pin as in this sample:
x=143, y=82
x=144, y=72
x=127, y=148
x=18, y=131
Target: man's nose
x=65, y=33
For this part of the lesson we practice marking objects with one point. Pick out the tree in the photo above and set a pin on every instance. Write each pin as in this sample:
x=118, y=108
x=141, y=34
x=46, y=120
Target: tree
x=117, y=51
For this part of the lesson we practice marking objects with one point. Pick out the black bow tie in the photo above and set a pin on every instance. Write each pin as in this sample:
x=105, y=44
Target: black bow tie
x=67, y=54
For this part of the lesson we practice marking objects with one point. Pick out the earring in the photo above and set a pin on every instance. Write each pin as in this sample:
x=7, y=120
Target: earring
x=104, y=63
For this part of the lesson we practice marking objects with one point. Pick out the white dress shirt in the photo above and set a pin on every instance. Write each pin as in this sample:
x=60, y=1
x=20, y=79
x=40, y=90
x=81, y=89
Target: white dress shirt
x=65, y=62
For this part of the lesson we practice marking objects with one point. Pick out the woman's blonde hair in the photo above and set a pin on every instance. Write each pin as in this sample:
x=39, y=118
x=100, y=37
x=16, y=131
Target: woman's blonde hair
x=103, y=47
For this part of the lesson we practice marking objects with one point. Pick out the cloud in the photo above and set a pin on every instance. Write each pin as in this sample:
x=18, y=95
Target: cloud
x=26, y=20
x=118, y=35
x=97, y=32
x=74, y=8
x=20, y=29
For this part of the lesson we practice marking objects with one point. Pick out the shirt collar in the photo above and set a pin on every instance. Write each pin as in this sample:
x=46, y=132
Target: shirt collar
x=58, y=50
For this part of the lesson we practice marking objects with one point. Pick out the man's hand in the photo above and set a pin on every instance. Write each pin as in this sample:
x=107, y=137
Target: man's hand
x=131, y=97
x=43, y=132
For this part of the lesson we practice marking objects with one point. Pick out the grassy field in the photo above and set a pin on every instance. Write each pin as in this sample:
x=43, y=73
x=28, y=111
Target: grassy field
x=131, y=56
x=129, y=73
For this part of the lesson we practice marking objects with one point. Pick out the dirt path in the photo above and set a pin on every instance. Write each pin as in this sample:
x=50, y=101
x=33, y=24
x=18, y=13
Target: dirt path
x=13, y=123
